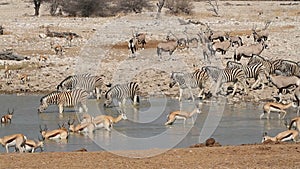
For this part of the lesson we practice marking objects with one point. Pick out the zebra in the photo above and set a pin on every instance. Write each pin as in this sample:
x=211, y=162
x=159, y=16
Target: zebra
x=189, y=81
x=64, y=99
x=254, y=70
x=220, y=76
x=289, y=68
x=121, y=92
x=271, y=67
x=84, y=81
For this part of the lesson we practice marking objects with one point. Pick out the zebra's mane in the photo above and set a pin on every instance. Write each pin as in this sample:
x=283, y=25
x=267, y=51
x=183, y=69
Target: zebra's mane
x=49, y=95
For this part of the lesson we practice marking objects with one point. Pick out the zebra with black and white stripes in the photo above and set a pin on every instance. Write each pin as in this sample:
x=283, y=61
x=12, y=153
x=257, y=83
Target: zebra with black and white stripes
x=121, y=92
x=92, y=84
x=254, y=70
x=220, y=76
x=65, y=99
x=289, y=68
x=271, y=67
x=189, y=81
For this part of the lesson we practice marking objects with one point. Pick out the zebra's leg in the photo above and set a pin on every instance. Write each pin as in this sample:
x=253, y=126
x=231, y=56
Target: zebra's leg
x=180, y=94
x=136, y=100
x=200, y=95
x=255, y=83
x=60, y=108
x=84, y=107
x=234, y=89
x=191, y=93
x=98, y=93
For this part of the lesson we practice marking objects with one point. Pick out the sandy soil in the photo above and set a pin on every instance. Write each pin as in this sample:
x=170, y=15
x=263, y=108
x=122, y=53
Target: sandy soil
x=247, y=156
x=103, y=50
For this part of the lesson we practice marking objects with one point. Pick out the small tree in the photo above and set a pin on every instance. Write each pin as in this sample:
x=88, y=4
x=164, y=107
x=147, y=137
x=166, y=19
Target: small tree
x=37, y=5
x=214, y=7
x=180, y=6
x=133, y=5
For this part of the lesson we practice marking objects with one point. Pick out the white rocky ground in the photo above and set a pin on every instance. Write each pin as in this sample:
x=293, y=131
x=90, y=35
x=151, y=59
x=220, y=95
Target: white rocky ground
x=103, y=46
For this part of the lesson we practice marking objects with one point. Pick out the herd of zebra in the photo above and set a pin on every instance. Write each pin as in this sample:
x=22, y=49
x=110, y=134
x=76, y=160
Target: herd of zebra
x=75, y=90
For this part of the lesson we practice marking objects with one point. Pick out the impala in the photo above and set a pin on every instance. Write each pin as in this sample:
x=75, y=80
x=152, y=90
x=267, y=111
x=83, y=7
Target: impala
x=15, y=140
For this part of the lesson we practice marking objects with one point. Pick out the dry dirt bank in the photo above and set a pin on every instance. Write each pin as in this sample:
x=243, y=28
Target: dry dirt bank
x=247, y=156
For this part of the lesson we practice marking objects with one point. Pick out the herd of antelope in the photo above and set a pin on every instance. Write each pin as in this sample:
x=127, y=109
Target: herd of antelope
x=211, y=42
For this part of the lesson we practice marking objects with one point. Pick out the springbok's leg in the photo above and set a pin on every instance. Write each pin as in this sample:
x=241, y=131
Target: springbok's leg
x=268, y=117
x=284, y=113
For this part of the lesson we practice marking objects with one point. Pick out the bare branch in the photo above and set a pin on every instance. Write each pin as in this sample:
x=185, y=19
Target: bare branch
x=214, y=7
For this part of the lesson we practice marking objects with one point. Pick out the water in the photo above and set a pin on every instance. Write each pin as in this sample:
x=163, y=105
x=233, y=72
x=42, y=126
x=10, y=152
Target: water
x=144, y=129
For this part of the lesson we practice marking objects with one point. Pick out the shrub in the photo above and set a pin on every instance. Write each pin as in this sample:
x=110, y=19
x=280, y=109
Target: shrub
x=180, y=6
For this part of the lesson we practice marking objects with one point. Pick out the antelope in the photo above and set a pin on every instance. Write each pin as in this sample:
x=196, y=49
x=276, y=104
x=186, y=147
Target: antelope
x=181, y=115
x=140, y=39
x=275, y=107
x=43, y=58
x=132, y=46
x=261, y=35
x=23, y=78
x=61, y=133
x=283, y=136
x=85, y=127
x=69, y=39
x=249, y=51
x=32, y=145
x=14, y=140
x=7, y=118
x=169, y=46
x=108, y=121
x=7, y=71
x=295, y=122
x=284, y=82
x=57, y=48
x=222, y=46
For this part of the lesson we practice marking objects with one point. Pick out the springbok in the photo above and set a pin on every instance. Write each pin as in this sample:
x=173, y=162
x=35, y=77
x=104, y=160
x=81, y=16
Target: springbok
x=181, y=115
x=32, y=145
x=57, y=48
x=7, y=71
x=7, y=118
x=14, y=140
x=295, y=122
x=283, y=136
x=61, y=133
x=276, y=107
x=86, y=127
x=105, y=121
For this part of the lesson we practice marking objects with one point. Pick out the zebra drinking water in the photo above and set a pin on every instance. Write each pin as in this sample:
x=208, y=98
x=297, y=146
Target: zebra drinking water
x=92, y=84
x=121, y=92
x=189, y=81
x=64, y=99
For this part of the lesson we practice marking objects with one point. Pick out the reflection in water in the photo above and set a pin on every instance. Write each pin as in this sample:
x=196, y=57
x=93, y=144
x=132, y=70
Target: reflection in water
x=144, y=128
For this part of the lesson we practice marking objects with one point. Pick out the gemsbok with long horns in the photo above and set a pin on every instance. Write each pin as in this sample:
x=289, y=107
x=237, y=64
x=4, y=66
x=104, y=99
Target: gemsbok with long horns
x=7, y=118
x=14, y=140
